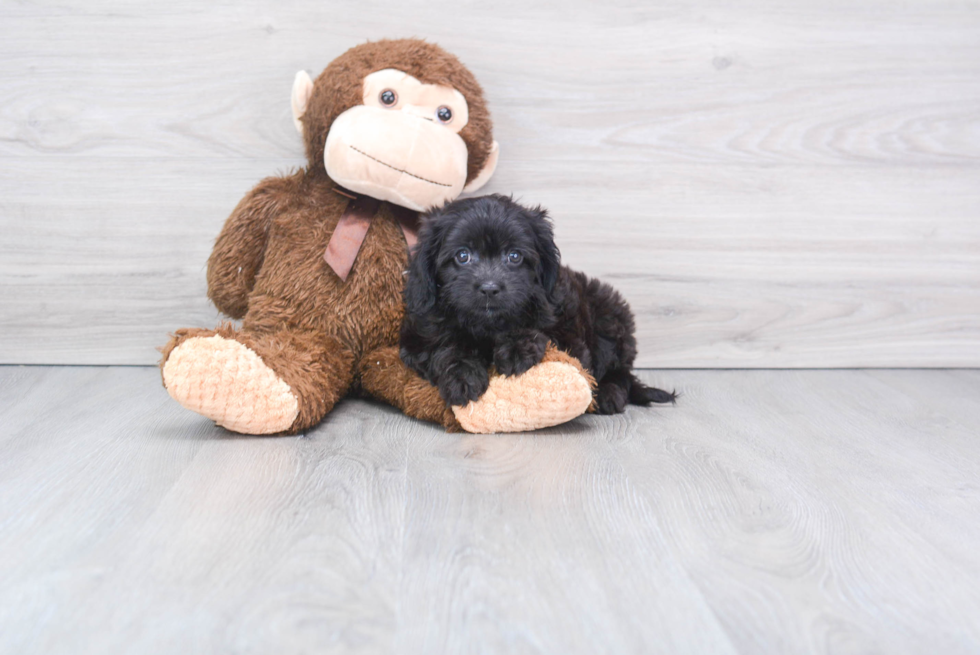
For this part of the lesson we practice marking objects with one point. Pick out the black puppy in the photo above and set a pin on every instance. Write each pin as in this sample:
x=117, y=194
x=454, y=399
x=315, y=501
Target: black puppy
x=486, y=287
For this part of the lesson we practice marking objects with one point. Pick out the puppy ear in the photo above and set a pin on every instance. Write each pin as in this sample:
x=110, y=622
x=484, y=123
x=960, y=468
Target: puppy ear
x=420, y=288
x=549, y=257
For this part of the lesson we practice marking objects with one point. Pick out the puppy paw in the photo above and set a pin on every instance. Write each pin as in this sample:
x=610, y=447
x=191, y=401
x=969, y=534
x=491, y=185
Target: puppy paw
x=611, y=399
x=462, y=382
x=516, y=356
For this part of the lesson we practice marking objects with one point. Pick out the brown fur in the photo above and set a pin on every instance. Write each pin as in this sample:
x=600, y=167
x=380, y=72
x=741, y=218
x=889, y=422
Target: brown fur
x=324, y=337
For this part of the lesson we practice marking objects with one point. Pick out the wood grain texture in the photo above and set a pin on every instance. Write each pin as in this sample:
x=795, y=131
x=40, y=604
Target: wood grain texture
x=768, y=512
x=769, y=184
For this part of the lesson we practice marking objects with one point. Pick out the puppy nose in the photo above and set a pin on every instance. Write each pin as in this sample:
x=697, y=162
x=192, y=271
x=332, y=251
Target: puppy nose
x=489, y=289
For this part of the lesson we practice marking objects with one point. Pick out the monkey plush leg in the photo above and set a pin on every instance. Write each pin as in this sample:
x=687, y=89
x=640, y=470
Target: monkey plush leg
x=385, y=376
x=551, y=393
x=554, y=391
x=256, y=383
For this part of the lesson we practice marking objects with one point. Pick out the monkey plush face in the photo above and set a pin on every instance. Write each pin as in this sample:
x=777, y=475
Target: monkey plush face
x=403, y=143
x=403, y=139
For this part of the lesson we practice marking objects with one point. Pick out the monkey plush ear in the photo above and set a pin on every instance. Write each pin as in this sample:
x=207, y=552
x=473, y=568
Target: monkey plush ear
x=489, y=166
x=302, y=88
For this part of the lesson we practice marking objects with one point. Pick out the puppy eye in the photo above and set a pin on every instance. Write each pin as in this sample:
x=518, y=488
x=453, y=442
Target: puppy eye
x=462, y=256
x=388, y=97
x=515, y=257
x=445, y=114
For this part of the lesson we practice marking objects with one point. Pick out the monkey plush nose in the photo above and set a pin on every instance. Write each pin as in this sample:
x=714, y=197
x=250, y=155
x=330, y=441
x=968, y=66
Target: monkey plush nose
x=489, y=289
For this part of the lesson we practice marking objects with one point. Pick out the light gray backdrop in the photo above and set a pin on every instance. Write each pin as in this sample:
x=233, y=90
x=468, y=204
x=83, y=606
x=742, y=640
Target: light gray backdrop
x=769, y=183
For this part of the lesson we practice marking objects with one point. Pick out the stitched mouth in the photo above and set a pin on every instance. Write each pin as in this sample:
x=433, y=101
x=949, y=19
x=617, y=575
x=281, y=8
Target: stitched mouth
x=418, y=177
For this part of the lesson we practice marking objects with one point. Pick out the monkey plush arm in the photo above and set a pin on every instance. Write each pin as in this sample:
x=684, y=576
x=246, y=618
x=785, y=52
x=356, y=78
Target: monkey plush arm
x=550, y=393
x=240, y=248
x=463, y=376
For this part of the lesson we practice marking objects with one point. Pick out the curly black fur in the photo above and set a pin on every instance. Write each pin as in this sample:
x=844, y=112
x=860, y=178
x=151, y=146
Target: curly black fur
x=502, y=301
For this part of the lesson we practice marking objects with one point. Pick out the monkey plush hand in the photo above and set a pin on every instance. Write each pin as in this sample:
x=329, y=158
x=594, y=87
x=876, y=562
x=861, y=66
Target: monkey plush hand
x=313, y=262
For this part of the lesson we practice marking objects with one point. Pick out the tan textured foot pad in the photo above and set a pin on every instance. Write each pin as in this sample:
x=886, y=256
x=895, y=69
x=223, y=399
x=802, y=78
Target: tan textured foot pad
x=549, y=394
x=230, y=384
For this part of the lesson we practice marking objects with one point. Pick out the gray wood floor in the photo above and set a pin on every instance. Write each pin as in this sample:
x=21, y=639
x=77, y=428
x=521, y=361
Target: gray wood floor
x=768, y=512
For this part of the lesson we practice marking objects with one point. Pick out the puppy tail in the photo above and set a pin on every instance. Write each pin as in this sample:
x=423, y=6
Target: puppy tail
x=641, y=394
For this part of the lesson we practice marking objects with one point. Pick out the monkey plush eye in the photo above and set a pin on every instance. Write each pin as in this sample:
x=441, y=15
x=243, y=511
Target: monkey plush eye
x=462, y=256
x=515, y=257
x=445, y=114
x=388, y=97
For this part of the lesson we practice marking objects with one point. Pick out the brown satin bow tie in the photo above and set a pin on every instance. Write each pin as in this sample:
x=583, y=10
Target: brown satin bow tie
x=353, y=225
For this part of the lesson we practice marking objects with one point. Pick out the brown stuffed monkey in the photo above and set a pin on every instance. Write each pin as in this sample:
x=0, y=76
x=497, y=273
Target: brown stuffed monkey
x=313, y=262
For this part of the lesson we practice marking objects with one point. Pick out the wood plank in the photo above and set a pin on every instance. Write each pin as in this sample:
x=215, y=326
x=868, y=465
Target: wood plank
x=818, y=511
x=91, y=281
x=141, y=527
x=770, y=83
x=949, y=395
x=538, y=543
x=773, y=184
x=767, y=512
